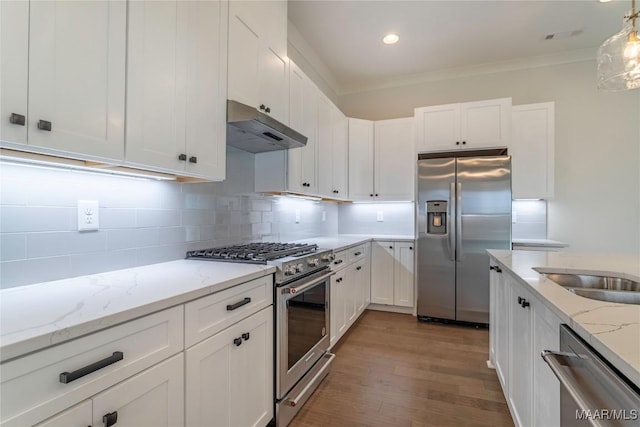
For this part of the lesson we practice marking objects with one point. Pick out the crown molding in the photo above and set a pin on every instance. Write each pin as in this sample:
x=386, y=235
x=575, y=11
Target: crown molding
x=566, y=57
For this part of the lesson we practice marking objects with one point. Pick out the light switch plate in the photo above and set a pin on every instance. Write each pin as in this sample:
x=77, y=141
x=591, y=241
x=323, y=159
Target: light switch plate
x=380, y=216
x=297, y=216
x=88, y=215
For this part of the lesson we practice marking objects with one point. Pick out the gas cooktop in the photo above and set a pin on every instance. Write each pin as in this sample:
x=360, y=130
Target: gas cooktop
x=257, y=253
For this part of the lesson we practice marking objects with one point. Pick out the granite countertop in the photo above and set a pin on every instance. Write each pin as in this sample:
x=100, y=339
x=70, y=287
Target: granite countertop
x=37, y=316
x=339, y=242
x=540, y=243
x=612, y=329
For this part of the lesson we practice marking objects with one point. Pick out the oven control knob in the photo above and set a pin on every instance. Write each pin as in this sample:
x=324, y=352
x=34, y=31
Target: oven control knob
x=299, y=268
x=328, y=257
x=313, y=262
x=288, y=271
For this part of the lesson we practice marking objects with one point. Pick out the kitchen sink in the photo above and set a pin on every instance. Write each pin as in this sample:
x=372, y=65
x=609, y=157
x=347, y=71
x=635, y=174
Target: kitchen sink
x=602, y=288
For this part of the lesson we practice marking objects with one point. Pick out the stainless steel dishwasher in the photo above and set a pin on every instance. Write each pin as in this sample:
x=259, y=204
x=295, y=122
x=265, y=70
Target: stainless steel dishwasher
x=592, y=393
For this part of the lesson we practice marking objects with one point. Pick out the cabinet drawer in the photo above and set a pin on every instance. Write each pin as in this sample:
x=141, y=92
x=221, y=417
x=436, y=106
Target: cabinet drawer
x=31, y=385
x=207, y=316
x=356, y=253
x=341, y=260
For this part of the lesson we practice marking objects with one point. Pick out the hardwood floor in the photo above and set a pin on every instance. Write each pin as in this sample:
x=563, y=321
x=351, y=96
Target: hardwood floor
x=391, y=370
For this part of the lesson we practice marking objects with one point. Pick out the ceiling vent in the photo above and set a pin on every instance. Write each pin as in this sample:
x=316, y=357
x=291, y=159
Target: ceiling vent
x=562, y=35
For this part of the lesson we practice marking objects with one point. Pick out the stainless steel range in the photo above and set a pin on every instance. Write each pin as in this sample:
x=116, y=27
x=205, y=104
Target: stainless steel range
x=301, y=299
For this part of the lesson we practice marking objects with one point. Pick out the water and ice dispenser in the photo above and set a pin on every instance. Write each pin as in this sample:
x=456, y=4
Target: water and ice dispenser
x=437, y=216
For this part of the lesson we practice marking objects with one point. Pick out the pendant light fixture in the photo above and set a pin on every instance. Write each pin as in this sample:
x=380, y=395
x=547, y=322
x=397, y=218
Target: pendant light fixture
x=619, y=57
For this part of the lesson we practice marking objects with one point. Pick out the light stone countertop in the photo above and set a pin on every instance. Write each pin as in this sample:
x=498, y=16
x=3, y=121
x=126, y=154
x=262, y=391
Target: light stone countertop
x=37, y=316
x=540, y=243
x=612, y=329
x=343, y=241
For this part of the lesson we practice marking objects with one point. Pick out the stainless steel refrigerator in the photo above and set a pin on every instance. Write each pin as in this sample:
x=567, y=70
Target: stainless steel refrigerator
x=463, y=208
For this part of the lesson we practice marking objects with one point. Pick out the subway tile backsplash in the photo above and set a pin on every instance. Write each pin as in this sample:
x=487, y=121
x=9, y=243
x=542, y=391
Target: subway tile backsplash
x=141, y=221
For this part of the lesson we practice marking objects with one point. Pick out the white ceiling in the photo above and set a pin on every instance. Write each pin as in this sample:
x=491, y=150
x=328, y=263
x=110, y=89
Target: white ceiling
x=443, y=35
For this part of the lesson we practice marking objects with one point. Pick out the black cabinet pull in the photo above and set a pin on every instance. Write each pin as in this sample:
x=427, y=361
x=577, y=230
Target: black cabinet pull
x=17, y=119
x=519, y=300
x=410, y=248
x=457, y=142
x=376, y=194
x=67, y=377
x=495, y=268
x=524, y=303
x=246, y=336
x=262, y=107
x=371, y=195
x=464, y=142
x=359, y=267
x=182, y=157
x=390, y=247
x=193, y=159
x=338, y=262
x=44, y=125
x=237, y=341
x=110, y=419
x=357, y=254
x=238, y=304
x=268, y=109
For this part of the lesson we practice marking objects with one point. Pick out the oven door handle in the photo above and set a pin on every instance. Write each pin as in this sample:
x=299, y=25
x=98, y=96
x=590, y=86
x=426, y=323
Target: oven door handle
x=297, y=289
x=556, y=360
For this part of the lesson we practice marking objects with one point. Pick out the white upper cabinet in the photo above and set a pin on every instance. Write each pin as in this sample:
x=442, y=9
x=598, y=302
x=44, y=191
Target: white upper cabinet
x=303, y=117
x=471, y=125
x=333, y=133
x=176, y=99
x=257, y=56
x=76, y=76
x=532, y=151
x=394, y=160
x=14, y=70
x=381, y=160
x=361, y=160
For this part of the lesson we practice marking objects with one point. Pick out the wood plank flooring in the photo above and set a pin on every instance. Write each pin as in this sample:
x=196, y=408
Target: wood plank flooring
x=391, y=370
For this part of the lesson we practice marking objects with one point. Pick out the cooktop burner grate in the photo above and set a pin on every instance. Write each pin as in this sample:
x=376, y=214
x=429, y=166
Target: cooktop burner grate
x=253, y=252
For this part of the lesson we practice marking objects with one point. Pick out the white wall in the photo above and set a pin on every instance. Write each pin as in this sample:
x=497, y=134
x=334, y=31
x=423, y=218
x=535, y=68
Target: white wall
x=597, y=158
x=141, y=221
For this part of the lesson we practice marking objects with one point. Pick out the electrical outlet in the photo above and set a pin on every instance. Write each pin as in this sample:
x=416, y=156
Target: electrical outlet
x=514, y=217
x=297, y=216
x=88, y=215
x=380, y=216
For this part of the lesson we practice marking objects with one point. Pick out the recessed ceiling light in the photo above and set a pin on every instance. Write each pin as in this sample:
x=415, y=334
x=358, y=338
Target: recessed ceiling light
x=390, y=38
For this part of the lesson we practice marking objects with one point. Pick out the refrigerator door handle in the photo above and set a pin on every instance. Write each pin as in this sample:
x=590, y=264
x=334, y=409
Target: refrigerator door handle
x=459, y=252
x=450, y=230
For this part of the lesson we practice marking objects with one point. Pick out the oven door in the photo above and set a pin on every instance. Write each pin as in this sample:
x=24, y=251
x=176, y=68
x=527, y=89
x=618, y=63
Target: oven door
x=303, y=327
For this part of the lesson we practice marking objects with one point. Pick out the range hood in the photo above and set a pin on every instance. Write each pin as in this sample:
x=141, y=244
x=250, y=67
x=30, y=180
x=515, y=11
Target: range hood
x=251, y=130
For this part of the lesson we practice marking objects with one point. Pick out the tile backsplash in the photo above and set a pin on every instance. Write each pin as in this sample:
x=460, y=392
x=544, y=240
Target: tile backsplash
x=529, y=220
x=363, y=218
x=141, y=221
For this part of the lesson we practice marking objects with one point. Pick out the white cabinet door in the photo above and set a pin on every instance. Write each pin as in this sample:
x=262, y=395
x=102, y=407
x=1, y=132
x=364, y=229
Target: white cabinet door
x=154, y=397
x=546, y=387
x=362, y=284
x=394, y=160
x=303, y=117
x=351, y=291
x=156, y=92
x=77, y=76
x=244, y=53
x=382, y=274
x=340, y=150
x=203, y=40
x=485, y=124
x=14, y=70
x=325, y=147
x=403, y=274
x=437, y=127
x=77, y=416
x=520, y=354
x=501, y=327
x=229, y=377
x=361, y=160
x=273, y=78
x=532, y=151
x=339, y=304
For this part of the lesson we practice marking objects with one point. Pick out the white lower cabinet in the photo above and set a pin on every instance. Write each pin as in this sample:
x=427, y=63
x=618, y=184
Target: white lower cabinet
x=229, y=376
x=392, y=273
x=523, y=327
x=80, y=415
x=350, y=292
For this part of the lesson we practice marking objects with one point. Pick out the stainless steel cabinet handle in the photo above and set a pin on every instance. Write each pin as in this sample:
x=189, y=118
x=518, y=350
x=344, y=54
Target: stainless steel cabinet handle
x=311, y=284
x=459, y=251
x=67, y=377
x=556, y=360
x=452, y=208
x=312, y=382
x=17, y=119
x=44, y=125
